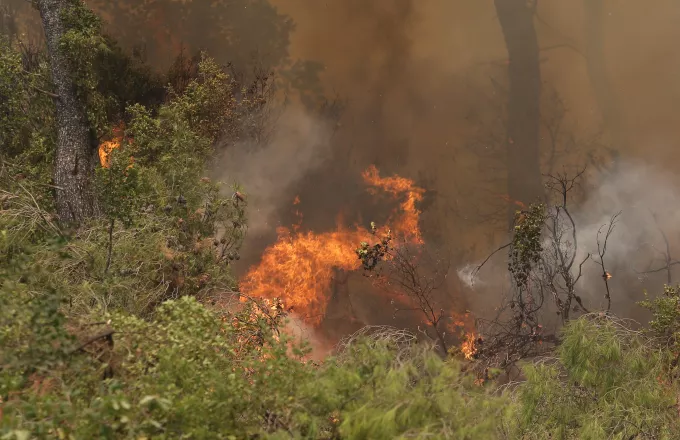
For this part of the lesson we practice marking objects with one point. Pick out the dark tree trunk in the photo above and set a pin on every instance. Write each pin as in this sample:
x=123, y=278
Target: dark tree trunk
x=522, y=143
x=75, y=153
x=597, y=70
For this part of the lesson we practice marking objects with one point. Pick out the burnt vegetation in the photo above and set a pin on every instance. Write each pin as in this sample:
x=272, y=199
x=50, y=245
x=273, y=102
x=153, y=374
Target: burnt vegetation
x=121, y=316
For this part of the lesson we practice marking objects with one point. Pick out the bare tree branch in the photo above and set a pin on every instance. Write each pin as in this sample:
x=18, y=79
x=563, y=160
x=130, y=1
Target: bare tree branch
x=602, y=250
x=105, y=334
x=478, y=268
x=409, y=272
x=667, y=255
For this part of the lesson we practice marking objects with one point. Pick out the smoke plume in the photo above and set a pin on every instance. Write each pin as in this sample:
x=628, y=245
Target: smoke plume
x=649, y=202
x=298, y=144
x=643, y=240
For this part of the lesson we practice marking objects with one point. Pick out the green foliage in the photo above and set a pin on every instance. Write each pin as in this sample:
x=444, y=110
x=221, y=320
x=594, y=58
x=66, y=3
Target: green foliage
x=119, y=186
x=526, y=246
x=190, y=372
x=384, y=392
x=666, y=314
x=106, y=79
x=665, y=329
x=111, y=331
x=27, y=134
x=32, y=334
x=605, y=384
x=13, y=93
x=176, y=141
x=154, y=258
x=185, y=372
x=167, y=231
x=83, y=44
x=127, y=79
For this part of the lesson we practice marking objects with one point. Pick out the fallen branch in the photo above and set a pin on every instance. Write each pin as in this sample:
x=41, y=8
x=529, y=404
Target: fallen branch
x=106, y=334
x=45, y=92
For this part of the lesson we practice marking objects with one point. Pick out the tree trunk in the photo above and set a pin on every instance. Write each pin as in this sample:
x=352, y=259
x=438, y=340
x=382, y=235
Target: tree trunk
x=522, y=143
x=597, y=70
x=75, y=154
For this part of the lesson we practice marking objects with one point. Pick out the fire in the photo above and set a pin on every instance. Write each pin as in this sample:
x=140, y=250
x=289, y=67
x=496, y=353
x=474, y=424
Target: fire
x=107, y=147
x=407, y=223
x=469, y=346
x=300, y=266
x=507, y=199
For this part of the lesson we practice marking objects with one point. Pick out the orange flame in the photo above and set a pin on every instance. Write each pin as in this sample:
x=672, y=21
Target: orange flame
x=469, y=346
x=507, y=199
x=105, y=150
x=407, y=223
x=299, y=267
x=107, y=147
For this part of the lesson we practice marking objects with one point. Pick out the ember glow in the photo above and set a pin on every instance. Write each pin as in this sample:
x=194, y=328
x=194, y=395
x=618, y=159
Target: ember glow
x=299, y=267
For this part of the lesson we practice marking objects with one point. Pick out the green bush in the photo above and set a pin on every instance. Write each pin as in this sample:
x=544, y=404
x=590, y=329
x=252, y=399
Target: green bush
x=604, y=383
x=192, y=373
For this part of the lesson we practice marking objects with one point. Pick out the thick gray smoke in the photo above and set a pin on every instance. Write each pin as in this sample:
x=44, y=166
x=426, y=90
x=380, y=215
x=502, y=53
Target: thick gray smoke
x=649, y=204
x=298, y=144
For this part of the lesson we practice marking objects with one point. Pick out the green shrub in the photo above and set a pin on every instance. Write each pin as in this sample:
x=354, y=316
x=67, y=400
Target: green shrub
x=605, y=383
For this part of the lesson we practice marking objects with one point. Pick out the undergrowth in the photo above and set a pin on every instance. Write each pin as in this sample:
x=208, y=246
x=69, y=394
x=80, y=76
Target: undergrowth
x=131, y=325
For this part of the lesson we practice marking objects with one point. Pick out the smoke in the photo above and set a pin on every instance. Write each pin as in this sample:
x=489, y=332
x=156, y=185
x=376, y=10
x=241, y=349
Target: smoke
x=303, y=333
x=299, y=143
x=467, y=275
x=647, y=200
x=422, y=79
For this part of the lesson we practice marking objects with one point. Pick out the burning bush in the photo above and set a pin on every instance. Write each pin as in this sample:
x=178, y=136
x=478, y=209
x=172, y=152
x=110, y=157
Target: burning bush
x=299, y=267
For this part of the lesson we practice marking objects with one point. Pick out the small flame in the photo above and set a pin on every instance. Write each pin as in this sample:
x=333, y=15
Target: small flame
x=298, y=214
x=105, y=150
x=507, y=199
x=300, y=266
x=469, y=346
x=107, y=147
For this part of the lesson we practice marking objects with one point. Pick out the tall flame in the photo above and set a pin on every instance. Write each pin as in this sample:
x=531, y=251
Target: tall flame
x=469, y=346
x=407, y=221
x=299, y=267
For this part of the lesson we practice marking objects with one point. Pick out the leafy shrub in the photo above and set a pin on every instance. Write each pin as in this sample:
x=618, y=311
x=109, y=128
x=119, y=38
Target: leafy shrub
x=605, y=383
